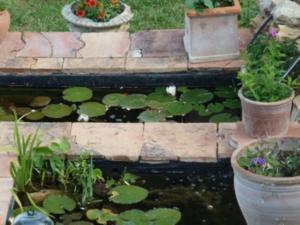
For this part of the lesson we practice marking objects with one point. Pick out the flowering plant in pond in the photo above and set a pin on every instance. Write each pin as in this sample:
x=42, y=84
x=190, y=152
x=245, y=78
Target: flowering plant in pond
x=98, y=10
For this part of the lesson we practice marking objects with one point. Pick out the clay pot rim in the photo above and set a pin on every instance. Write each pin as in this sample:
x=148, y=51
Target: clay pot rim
x=238, y=170
x=245, y=99
x=235, y=9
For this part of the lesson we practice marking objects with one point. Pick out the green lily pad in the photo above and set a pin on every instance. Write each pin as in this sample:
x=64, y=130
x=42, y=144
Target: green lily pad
x=164, y=216
x=135, y=216
x=22, y=110
x=102, y=216
x=225, y=92
x=196, y=96
x=4, y=116
x=223, y=117
x=40, y=101
x=128, y=194
x=179, y=108
x=232, y=103
x=202, y=110
x=92, y=109
x=59, y=204
x=134, y=101
x=160, y=97
x=35, y=116
x=215, y=107
x=57, y=111
x=77, y=94
x=183, y=89
x=113, y=100
x=152, y=116
x=153, y=104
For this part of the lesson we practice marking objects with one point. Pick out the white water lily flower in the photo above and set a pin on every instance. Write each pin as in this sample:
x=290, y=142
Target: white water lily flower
x=171, y=90
x=83, y=118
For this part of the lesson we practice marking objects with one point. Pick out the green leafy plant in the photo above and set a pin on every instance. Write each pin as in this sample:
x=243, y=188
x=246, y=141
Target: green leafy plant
x=200, y=5
x=3, y=5
x=249, y=9
x=262, y=79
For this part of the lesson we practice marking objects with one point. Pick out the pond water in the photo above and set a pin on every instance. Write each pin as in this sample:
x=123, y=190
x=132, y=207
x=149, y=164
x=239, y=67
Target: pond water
x=147, y=105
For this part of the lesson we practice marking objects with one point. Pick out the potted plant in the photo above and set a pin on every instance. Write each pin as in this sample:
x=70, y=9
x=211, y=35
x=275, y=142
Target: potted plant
x=267, y=181
x=97, y=15
x=4, y=20
x=211, y=29
x=265, y=95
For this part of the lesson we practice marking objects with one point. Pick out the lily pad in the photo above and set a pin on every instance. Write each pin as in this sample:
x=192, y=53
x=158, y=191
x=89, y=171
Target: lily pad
x=215, y=107
x=57, y=111
x=183, y=89
x=59, y=204
x=134, y=101
x=102, y=216
x=164, y=216
x=77, y=94
x=92, y=109
x=4, y=116
x=160, y=97
x=232, y=103
x=225, y=92
x=202, y=110
x=113, y=100
x=35, y=116
x=22, y=110
x=40, y=101
x=223, y=117
x=197, y=96
x=128, y=194
x=153, y=104
x=179, y=108
x=135, y=216
x=152, y=116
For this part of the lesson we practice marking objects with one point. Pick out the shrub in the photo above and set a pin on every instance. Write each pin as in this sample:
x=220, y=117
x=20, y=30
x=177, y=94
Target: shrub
x=3, y=5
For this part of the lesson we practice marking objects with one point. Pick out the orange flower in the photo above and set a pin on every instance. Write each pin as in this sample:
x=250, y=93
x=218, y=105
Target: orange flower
x=80, y=13
x=114, y=2
x=101, y=15
x=90, y=3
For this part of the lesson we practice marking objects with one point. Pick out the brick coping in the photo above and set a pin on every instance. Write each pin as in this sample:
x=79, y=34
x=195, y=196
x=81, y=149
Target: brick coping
x=145, y=51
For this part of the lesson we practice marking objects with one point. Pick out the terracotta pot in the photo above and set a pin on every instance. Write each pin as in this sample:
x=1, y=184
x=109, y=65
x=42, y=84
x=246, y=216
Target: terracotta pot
x=213, y=34
x=4, y=24
x=263, y=119
x=267, y=200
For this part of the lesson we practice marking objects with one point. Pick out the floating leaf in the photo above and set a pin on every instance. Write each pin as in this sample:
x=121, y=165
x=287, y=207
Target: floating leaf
x=57, y=111
x=197, y=96
x=102, y=216
x=5, y=116
x=156, y=104
x=164, y=216
x=35, y=116
x=179, y=108
x=113, y=100
x=223, y=117
x=128, y=194
x=92, y=109
x=59, y=204
x=152, y=116
x=22, y=110
x=77, y=94
x=215, y=107
x=160, y=97
x=225, y=92
x=134, y=101
x=202, y=110
x=183, y=89
x=135, y=216
x=40, y=101
x=232, y=103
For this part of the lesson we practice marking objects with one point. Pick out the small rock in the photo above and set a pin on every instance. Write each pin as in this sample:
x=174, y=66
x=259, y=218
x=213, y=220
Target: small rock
x=286, y=32
x=287, y=13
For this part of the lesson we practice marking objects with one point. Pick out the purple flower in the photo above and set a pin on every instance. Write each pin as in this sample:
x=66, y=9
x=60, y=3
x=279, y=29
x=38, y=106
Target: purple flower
x=259, y=161
x=273, y=32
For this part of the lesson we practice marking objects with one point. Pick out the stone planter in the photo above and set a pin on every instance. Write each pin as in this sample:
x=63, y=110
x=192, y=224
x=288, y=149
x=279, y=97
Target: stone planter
x=4, y=24
x=267, y=200
x=213, y=34
x=78, y=24
x=262, y=119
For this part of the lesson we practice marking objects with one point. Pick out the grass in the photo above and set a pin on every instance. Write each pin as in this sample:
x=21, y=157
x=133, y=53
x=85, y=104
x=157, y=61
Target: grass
x=44, y=15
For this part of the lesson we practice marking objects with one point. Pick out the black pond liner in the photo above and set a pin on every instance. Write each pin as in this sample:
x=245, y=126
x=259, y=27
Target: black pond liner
x=172, y=184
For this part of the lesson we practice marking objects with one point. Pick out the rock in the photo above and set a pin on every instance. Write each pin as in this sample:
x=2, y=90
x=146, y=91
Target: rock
x=266, y=6
x=287, y=13
x=286, y=32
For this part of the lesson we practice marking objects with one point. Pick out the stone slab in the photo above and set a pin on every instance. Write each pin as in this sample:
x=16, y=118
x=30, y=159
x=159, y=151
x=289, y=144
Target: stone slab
x=113, y=141
x=16, y=64
x=64, y=44
x=158, y=43
x=48, y=64
x=5, y=160
x=166, y=64
x=105, y=45
x=11, y=45
x=36, y=46
x=190, y=142
x=5, y=185
x=4, y=206
x=224, y=132
x=154, y=153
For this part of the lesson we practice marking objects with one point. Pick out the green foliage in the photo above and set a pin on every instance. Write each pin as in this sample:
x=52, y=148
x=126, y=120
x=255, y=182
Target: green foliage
x=179, y=108
x=92, y=109
x=265, y=64
x=113, y=100
x=128, y=194
x=196, y=96
x=249, y=10
x=3, y=5
x=223, y=117
x=200, y=5
x=40, y=101
x=77, y=94
x=59, y=204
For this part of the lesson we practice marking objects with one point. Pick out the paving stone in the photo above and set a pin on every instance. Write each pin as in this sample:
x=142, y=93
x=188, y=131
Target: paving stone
x=224, y=131
x=16, y=64
x=11, y=45
x=158, y=43
x=5, y=185
x=190, y=142
x=4, y=206
x=167, y=64
x=48, y=64
x=36, y=45
x=245, y=36
x=5, y=160
x=114, y=141
x=94, y=65
x=224, y=65
x=153, y=153
x=48, y=132
x=64, y=44
x=105, y=45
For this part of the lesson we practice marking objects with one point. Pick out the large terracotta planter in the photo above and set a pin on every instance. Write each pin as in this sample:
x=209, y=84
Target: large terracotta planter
x=213, y=34
x=78, y=24
x=263, y=119
x=267, y=200
x=4, y=24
